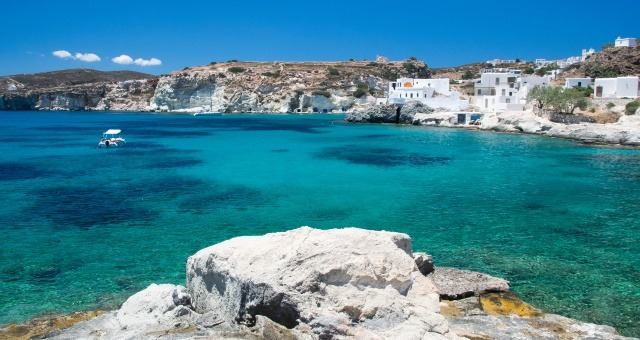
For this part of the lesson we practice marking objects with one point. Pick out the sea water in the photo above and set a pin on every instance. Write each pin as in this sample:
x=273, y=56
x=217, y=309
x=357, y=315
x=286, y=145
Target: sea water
x=84, y=228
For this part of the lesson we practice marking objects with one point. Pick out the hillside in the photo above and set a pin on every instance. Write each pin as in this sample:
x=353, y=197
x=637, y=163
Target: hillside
x=77, y=89
x=69, y=78
x=610, y=62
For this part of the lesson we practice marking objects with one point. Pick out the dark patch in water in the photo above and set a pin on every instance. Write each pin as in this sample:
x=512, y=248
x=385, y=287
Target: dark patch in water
x=46, y=274
x=280, y=150
x=14, y=171
x=533, y=206
x=166, y=163
x=85, y=207
x=223, y=197
x=125, y=282
x=381, y=157
x=374, y=136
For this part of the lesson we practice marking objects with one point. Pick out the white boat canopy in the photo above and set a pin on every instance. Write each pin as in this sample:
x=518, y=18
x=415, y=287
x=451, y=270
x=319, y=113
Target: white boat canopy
x=112, y=132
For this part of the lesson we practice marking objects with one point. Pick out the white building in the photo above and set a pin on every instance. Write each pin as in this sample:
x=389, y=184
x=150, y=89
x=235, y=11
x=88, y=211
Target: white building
x=382, y=59
x=621, y=87
x=577, y=82
x=499, y=92
x=586, y=53
x=431, y=92
x=625, y=42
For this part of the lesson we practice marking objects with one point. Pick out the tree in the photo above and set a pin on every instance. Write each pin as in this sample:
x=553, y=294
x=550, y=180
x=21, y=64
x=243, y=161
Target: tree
x=543, y=95
x=558, y=99
x=529, y=70
x=518, y=60
x=468, y=75
x=572, y=99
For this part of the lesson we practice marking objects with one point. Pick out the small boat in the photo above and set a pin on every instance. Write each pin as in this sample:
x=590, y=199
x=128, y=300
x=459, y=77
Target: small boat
x=111, y=137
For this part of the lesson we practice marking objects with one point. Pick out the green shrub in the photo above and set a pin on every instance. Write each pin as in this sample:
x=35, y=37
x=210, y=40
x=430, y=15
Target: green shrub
x=468, y=75
x=324, y=93
x=592, y=110
x=631, y=107
x=236, y=69
x=332, y=71
x=233, y=61
x=373, y=63
x=221, y=75
x=413, y=58
x=362, y=90
x=610, y=105
x=272, y=74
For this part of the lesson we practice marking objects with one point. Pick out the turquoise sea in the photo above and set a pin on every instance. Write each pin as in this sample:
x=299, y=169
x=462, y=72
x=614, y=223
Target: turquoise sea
x=83, y=228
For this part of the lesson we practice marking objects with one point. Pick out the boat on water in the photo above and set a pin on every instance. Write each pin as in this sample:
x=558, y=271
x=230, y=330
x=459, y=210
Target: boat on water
x=111, y=137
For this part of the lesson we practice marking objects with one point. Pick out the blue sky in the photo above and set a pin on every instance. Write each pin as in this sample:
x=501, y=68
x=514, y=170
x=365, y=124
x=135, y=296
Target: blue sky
x=167, y=36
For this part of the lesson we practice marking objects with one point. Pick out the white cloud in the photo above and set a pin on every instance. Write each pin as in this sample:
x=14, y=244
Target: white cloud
x=150, y=62
x=88, y=57
x=62, y=54
x=123, y=60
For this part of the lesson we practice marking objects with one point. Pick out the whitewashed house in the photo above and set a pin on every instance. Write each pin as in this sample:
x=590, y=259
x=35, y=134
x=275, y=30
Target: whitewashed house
x=625, y=42
x=499, y=92
x=621, y=87
x=431, y=92
x=577, y=82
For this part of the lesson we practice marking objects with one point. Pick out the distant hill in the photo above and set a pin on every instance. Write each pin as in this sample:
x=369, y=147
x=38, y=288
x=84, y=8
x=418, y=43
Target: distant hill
x=610, y=62
x=71, y=77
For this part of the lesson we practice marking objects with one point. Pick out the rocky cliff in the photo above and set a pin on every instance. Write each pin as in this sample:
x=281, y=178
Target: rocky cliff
x=279, y=86
x=327, y=284
x=79, y=89
x=245, y=87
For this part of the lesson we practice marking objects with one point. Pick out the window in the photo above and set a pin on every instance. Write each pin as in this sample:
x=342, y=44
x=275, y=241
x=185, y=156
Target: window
x=497, y=81
x=579, y=84
x=479, y=91
x=504, y=92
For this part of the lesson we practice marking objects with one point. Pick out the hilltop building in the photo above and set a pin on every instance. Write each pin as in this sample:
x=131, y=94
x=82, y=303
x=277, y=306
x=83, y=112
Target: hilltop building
x=625, y=42
x=621, y=87
x=431, y=92
x=382, y=59
x=586, y=53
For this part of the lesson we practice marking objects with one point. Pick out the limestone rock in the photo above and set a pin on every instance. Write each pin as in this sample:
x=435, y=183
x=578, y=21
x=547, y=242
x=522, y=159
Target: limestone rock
x=424, y=262
x=458, y=283
x=410, y=109
x=372, y=114
x=336, y=283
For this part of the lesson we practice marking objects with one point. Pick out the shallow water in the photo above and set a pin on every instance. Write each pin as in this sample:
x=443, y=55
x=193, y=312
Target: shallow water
x=84, y=228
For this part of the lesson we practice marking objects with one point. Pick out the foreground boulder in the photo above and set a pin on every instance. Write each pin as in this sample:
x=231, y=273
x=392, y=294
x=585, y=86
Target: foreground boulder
x=328, y=284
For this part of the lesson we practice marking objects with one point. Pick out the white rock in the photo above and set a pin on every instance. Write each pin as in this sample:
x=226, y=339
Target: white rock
x=341, y=282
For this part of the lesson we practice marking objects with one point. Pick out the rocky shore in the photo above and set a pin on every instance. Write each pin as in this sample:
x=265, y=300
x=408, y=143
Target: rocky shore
x=327, y=284
x=625, y=131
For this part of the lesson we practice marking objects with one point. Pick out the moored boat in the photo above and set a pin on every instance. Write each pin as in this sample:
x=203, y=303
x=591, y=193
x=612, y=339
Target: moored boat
x=111, y=137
